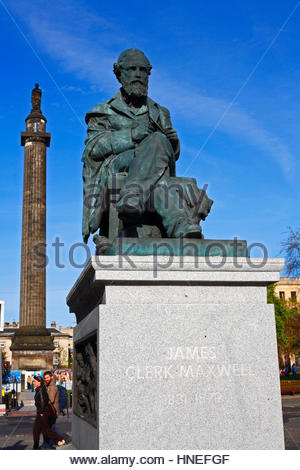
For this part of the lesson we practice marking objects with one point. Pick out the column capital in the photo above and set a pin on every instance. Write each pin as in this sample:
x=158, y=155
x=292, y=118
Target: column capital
x=43, y=137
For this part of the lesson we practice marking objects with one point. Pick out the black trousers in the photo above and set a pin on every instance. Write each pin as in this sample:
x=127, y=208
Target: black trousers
x=51, y=421
x=41, y=425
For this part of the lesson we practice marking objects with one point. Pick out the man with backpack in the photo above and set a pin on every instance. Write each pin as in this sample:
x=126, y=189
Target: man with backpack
x=53, y=396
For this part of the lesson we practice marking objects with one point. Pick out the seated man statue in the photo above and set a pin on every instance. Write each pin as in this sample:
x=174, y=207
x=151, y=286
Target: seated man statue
x=131, y=133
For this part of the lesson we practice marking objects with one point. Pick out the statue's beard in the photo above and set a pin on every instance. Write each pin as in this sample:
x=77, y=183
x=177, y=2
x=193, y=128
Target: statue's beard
x=136, y=90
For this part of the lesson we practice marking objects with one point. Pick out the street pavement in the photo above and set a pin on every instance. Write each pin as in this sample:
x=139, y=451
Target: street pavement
x=291, y=421
x=16, y=429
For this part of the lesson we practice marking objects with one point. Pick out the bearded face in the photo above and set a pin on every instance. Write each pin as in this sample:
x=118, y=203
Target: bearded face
x=134, y=77
x=135, y=88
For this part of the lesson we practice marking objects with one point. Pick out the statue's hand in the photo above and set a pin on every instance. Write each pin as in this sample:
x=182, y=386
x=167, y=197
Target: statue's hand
x=171, y=134
x=140, y=132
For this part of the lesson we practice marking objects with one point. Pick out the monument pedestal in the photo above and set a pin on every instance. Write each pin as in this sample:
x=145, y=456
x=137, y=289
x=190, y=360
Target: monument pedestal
x=186, y=354
x=32, y=349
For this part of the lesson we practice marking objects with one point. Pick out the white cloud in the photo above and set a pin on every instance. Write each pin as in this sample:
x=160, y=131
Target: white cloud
x=206, y=111
x=73, y=88
x=87, y=45
x=75, y=53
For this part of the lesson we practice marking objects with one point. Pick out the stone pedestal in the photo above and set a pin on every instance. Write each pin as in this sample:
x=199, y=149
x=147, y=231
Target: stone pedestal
x=32, y=349
x=32, y=360
x=186, y=355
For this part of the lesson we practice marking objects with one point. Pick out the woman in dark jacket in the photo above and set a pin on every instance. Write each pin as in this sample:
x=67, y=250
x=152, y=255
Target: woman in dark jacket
x=42, y=409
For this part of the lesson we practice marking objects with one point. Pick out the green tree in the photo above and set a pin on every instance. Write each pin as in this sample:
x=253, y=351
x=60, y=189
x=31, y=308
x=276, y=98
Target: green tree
x=292, y=331
x=3, y=355
x=283, y=313
x=70, y=360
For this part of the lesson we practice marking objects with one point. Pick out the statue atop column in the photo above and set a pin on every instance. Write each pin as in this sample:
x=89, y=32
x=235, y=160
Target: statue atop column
x=36, y=96
x=32, y=345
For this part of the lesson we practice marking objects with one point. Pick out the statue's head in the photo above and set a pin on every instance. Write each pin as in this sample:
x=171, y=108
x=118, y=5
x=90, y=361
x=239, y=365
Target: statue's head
x=80, y=359
x=133, y=70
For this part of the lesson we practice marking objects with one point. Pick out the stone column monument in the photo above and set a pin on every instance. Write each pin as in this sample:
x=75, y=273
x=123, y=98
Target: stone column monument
x=32, y=344
x=175, y=345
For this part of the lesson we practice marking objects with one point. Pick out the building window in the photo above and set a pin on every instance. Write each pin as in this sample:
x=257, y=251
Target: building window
x=281, y=295
x=55, y=360
x=294, y=295
x=55, y=344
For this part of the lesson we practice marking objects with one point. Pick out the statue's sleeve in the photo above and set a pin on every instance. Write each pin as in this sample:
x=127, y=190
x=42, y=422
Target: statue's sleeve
x=104, y=141
x=98, y=142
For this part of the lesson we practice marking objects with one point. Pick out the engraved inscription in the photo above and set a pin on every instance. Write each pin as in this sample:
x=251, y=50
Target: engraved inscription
x=185, y=399
x=188, y=362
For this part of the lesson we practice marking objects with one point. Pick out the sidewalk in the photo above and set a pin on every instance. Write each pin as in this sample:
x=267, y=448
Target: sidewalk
x=28, y=409
x=16, y=426
x=27, y=397
x=16, y=432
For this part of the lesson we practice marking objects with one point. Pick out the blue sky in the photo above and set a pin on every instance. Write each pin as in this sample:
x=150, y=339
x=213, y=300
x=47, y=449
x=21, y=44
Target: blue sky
x=229, y=75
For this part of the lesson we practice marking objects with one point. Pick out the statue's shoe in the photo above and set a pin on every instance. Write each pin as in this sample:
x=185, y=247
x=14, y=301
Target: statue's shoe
x=130, y=208
x=189, y=231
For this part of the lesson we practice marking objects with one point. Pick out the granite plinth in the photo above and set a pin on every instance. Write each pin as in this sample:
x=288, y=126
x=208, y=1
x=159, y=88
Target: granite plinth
x=187, y=355
x=32, y=349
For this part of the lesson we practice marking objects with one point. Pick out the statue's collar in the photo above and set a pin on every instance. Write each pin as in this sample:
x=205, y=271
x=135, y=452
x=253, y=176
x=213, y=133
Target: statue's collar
x=117, y=103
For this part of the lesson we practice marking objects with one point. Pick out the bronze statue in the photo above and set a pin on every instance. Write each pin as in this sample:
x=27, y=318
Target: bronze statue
x=132, y=135
x=36, y=96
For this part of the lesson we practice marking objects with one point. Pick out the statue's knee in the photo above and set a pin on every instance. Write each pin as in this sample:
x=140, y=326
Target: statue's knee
x=161, y=141
x=159, y=137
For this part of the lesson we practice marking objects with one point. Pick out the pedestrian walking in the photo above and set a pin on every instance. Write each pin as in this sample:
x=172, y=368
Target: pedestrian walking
x=53, y=395
x=63, y=400
x=294, y=370
x=29, y=382
x=42, y=417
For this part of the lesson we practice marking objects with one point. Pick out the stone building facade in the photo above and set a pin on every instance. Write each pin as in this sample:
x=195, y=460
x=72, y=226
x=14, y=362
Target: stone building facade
x=288, y=289
x=62, y=340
